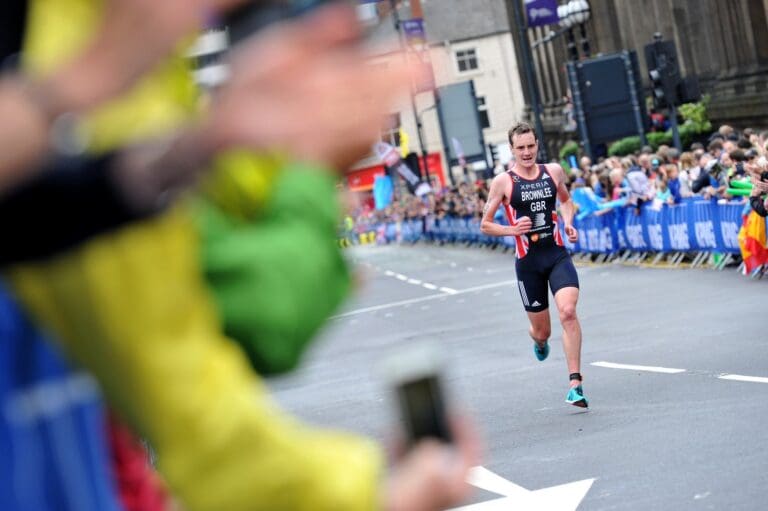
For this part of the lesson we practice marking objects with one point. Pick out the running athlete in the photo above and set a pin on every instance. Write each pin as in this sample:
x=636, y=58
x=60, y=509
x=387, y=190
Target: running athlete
x=528, y=193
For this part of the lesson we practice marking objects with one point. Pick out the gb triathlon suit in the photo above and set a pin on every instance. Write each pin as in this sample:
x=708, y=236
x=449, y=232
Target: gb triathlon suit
x=541, y=256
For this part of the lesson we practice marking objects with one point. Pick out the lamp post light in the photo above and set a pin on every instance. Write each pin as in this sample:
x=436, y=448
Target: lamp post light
x=581, y=12
x=575, y=12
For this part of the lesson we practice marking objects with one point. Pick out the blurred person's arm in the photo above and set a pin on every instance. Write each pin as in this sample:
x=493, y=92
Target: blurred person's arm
x=133, y=308
x=701, y=182
x=313, y=81
x=131, y=38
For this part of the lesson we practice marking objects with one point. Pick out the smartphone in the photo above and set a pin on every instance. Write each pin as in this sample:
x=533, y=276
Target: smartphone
x=415, y=377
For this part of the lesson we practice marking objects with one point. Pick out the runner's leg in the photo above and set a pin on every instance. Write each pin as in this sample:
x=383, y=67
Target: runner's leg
x=566, y=299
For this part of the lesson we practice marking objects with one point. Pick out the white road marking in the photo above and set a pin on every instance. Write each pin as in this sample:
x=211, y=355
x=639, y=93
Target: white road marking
x=422, y=299
x=448, y=290
x=564, y=497
x=652, y=369
x=429, y=286
x=400, y=276
x=389, y=273
x=739, y=377
x=414, y=281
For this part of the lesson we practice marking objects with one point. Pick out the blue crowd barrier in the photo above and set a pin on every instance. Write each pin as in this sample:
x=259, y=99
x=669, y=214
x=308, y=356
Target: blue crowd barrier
x=695, y=225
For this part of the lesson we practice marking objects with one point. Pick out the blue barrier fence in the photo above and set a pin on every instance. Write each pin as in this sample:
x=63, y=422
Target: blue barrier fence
x=696, y=225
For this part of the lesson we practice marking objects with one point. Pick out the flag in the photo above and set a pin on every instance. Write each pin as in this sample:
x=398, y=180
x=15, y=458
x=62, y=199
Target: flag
x=752, y=238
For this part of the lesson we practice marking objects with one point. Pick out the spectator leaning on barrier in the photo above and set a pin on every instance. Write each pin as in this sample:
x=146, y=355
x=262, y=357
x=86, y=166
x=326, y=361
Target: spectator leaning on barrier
x=673, y=184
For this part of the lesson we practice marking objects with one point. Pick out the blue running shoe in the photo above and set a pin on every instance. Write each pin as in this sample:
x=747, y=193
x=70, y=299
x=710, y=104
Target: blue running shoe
x=541, y=351
x=576, y=397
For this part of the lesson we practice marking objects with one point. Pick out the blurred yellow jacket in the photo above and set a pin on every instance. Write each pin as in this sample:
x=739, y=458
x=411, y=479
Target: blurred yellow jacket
x=133, y=308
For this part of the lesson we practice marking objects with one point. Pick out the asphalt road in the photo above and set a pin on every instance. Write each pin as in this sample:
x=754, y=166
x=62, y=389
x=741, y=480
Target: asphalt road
x=653, y=438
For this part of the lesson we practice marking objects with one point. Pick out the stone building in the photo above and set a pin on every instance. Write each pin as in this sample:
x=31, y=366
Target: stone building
x=724, y=43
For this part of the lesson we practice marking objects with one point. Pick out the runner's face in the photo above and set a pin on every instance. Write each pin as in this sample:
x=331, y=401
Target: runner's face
x=525, y=149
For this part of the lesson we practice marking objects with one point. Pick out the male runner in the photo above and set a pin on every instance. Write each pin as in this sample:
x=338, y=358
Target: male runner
x=528, y=193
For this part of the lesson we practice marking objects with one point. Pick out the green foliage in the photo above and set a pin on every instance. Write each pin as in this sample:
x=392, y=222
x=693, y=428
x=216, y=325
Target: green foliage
x=695, y=123
x=695, y=116
x=570, y=148
x=658, y=138
x=625, y=146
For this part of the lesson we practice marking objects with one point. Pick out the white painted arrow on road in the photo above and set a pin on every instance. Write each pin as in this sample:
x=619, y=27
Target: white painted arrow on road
x=565, y=497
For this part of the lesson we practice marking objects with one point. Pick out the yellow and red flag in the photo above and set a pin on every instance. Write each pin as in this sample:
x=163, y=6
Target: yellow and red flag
x=752, y=241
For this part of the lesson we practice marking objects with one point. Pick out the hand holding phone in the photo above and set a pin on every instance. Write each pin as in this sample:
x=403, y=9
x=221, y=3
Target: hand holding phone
x=415, y=377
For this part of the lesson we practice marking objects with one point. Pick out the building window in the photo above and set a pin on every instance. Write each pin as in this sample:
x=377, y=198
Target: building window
x=482, y=109
x=391, y=131
x=466, y=60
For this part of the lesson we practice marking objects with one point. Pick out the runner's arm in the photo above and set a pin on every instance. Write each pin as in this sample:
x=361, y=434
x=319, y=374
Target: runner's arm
x=567, y=208
x=495, y=196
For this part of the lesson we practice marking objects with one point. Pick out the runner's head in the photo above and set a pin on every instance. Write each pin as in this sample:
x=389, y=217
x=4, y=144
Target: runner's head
x=524, y=144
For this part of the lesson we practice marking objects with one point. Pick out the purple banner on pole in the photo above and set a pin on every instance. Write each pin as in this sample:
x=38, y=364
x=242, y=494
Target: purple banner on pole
x=541, y=12
x=414, y=31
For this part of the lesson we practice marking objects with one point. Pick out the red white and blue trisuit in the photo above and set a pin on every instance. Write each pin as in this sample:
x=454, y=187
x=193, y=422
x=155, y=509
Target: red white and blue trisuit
x=541, y=256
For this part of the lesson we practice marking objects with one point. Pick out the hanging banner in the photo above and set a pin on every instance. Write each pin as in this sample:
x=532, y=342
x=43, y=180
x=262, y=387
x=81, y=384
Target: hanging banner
x=391, y=158
x=541, y=12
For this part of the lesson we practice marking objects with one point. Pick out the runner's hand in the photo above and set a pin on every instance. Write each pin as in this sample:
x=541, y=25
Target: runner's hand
x=571, y=233
x=523, y=225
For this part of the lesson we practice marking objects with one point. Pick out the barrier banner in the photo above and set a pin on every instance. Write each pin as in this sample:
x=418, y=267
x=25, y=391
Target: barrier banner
x=597, y=234
x=677, y=227
x=729, y=218
x=701, y=215
x=655, y=226
x=634, y=232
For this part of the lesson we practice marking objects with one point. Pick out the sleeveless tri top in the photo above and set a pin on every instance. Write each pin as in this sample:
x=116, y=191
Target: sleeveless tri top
x=535, y=198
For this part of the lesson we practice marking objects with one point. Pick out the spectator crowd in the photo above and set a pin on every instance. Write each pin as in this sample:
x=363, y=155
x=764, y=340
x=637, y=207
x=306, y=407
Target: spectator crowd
x=726, y=167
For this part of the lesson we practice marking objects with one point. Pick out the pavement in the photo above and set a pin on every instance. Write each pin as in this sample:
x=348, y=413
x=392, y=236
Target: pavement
x=675, y=366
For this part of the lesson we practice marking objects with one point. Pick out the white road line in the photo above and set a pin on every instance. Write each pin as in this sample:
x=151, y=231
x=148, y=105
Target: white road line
x=448, y=290
x=652, y=369
x=389, y=273
x=414, y=281
x=429, y=286
x=739, y=377
x=423, y=299
x=400, y=276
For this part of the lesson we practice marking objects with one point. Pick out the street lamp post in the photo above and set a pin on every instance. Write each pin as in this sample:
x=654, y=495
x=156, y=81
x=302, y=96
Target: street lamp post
x=419, y=128
x=530, y=76
x=566, y=21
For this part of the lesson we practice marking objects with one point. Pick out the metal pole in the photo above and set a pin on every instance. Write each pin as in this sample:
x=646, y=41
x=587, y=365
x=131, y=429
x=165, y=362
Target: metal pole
x=584, y=40
x=530, y=76
x=675, y=131
x=573, y=53
x=424, y=173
